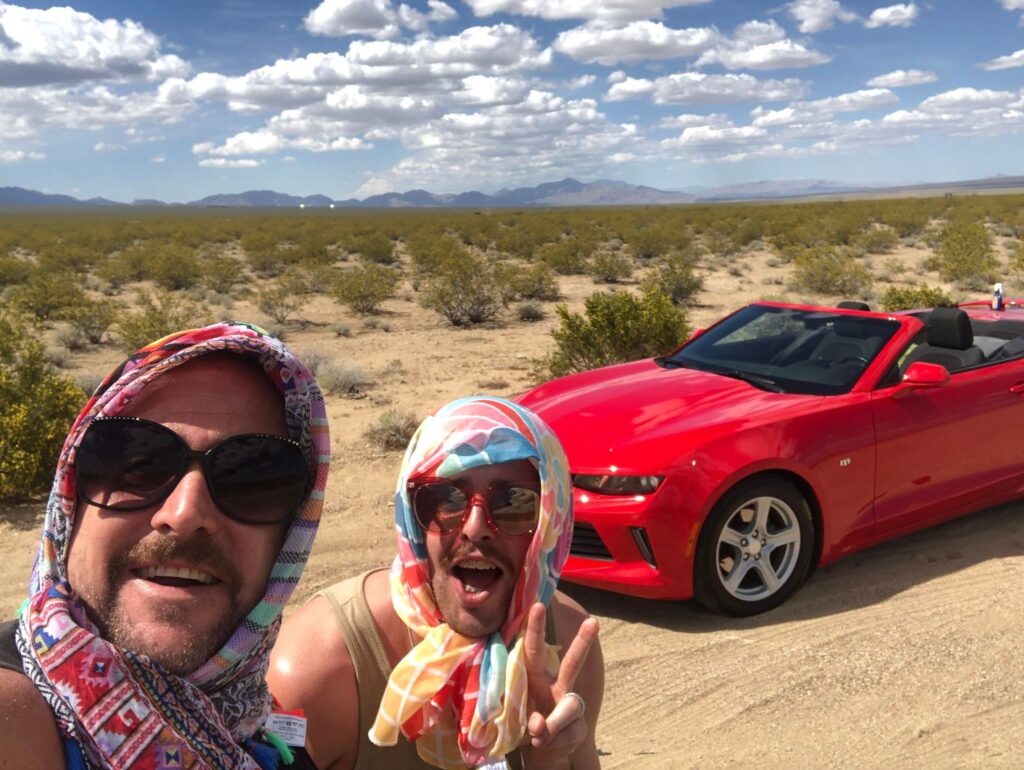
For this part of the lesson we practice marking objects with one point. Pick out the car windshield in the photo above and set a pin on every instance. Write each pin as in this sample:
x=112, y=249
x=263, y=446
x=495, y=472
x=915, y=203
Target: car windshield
x=786, y=350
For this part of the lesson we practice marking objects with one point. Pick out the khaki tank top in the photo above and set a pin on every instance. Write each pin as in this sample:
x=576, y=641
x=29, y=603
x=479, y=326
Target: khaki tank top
x=372, y=668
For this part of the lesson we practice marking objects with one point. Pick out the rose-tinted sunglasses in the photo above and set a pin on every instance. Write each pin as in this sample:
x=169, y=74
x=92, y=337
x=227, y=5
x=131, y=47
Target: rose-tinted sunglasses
x=442, y=505
x=127, y=464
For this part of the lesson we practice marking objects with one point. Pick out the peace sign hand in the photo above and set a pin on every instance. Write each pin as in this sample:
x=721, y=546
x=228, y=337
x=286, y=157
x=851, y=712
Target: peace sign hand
x=556, y=725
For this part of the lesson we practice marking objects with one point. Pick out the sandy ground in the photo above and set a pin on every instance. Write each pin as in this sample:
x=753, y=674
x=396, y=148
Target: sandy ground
x=905, y=655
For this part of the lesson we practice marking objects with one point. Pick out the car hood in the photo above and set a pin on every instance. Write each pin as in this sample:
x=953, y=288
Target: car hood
x=603, y=416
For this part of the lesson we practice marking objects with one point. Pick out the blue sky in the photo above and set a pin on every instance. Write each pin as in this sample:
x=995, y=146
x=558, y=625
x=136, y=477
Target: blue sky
x=347, y=98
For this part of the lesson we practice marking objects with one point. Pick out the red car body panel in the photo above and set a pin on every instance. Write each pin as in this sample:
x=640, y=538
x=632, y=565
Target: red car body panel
x=874, y=462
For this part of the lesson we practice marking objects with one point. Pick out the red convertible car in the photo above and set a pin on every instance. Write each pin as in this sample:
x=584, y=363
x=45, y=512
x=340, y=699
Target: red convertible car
x=782, y=438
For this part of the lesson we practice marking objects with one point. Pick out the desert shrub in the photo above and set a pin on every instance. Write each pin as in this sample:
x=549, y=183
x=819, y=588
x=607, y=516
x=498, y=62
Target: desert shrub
x=47, y=298
x=428, y=252
x=71, y=339
x=219, y=273
x=124, y=267
x=375, y=247
x=877, y=240
x=91, y=319
x=964, y=255
x=912, y=297
x=648, y=242
x=530, y=310
x=159, y=314
x=565, y=257
x=614, y=327
x=341, y=330
x=174, y=269
x=342, y=378
x=534, y=282
x=828, y=270
x=465, y=291
x=14, y=271
x=365, y=287
x=376, y=324
x=610, y=267
x=39, y=407
x=281, y=299
x=393, y=430
x=675, y=278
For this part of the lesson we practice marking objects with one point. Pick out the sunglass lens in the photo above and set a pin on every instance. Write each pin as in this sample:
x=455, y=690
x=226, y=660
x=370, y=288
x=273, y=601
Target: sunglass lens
x=126, y=465
x=439, y=507
x=514, y=510
x=258, y=479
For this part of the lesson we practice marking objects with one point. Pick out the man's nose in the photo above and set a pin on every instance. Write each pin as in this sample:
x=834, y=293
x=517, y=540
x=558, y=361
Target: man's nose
x=188, y=508
x=477, y=526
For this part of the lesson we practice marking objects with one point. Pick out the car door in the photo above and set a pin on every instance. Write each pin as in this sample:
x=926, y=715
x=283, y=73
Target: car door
x=947, y=449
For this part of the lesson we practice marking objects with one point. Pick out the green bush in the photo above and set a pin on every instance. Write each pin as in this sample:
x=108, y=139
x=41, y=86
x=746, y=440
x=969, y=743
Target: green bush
x=827, y=270
x=534, y=282
x=158, y=315
x=375, y=247
x=648, y=242
x=675, y=278
x=615, y=327
x=913, y=297
x=965, y=256
x=465, y=291
x=220, y=273
x=174, y=269
x=530, y=311
x=428, y=252
x=14, y=271
x=877, y=240
x=363, y=288
x=124, y=267
x=39, y=407
x=46, y=298
x=610, y=267
x=281, y=299
x=92, y=318
x=565, y=257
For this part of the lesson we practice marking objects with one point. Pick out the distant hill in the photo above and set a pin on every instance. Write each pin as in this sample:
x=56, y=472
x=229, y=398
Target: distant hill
x=566, y=192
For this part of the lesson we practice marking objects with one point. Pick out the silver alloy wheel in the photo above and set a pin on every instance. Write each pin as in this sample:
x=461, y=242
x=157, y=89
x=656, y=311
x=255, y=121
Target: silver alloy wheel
x=758, y=548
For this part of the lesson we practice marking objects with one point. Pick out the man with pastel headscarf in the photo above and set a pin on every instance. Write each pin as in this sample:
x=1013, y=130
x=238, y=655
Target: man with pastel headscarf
x=455, y=648
x=183, y=510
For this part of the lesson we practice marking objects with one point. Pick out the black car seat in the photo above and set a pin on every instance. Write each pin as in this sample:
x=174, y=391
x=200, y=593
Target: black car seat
x=852, y=304
x=949, y=341
x=848, y=339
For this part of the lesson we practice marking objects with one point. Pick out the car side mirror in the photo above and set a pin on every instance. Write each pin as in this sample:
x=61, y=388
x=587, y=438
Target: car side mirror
x=695, y=334
x=922, y=376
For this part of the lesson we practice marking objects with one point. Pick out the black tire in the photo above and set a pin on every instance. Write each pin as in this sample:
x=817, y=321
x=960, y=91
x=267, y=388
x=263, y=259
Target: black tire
x=755, y=548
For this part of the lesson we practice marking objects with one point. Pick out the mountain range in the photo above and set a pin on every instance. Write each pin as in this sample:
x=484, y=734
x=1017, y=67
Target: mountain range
x=567, y=192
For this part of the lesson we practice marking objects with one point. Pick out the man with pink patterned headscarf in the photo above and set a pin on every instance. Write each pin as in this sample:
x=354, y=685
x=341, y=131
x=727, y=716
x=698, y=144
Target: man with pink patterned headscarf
x=451, y=659
x=182, y=513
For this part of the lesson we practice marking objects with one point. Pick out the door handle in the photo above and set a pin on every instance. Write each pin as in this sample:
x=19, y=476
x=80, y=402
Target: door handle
x=1017, y=388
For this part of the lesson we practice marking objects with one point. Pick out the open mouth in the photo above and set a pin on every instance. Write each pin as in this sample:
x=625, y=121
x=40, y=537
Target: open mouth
x=177, y=577
x=476, y=575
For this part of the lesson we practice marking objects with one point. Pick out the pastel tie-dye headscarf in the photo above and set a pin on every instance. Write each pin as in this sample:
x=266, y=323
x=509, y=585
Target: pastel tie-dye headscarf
x=121, y=709
x=464, y=700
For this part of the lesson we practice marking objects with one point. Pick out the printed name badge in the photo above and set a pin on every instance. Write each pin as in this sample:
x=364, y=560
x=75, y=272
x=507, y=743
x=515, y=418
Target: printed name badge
x=289, y=725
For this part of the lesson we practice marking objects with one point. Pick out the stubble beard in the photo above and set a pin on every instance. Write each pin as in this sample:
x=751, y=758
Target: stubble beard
x=110, y=616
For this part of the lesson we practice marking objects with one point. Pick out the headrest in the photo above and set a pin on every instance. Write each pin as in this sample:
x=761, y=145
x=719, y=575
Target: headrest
x=852, y=304
x=850, y=327
x=949, y=327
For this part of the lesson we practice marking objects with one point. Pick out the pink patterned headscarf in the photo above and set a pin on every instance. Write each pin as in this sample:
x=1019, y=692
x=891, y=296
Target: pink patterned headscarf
x=463, y=700
x=119, y=707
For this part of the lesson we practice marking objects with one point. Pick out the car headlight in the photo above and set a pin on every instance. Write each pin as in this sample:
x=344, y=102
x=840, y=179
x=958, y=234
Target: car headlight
x=617, y=485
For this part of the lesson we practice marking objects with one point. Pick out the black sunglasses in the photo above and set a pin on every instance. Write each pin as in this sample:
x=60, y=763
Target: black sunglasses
x=442, y=505
x=127, y=464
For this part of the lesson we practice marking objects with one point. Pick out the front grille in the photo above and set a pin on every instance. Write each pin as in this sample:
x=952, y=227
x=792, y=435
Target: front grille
x=587, y=544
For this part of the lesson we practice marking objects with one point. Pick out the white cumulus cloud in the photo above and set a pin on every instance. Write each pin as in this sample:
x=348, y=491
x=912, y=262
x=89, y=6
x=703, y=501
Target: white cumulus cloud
x=380, y=19
x=1015, y=59
x=702, y=88
x=226, y=163
x=17, y=156
x=62, y=46
x=108, y=147
x=899, y=15
x=638, y=41
x=605, y=11
x=902, y=78
x=818, y=15
x=761, y=45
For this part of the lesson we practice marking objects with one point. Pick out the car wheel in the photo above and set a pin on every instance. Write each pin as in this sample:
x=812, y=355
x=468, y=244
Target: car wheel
x=755, y=548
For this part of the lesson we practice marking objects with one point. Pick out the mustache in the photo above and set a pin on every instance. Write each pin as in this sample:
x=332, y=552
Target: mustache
x=198, y=551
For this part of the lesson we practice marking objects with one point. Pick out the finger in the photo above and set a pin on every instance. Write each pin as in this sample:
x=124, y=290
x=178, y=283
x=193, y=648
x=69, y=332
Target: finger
x=533, y=641
x=577, y=654
x=563, y=726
